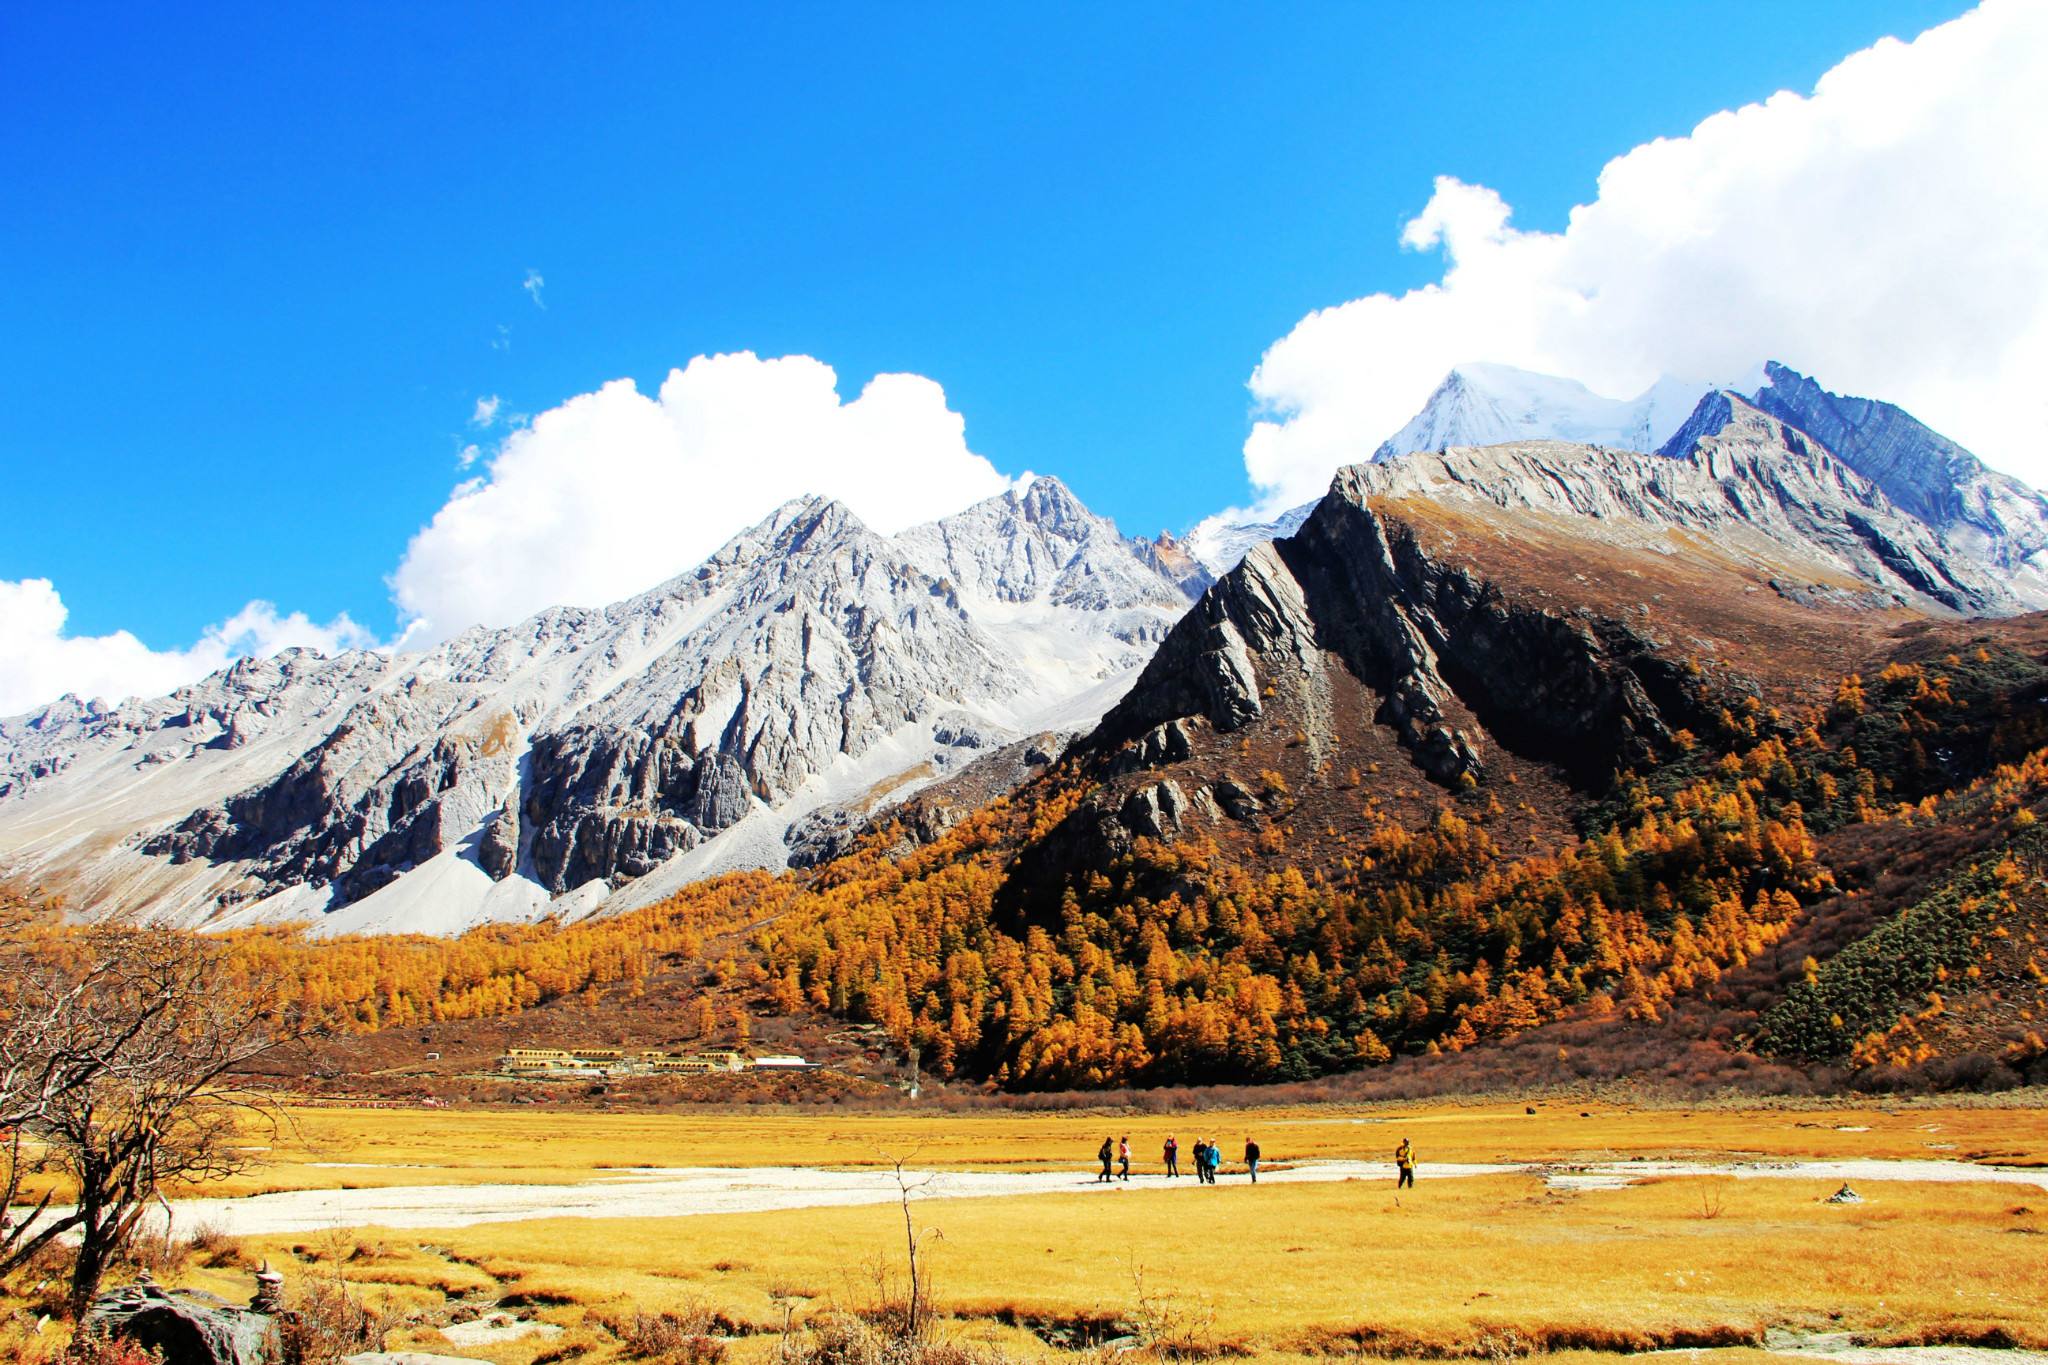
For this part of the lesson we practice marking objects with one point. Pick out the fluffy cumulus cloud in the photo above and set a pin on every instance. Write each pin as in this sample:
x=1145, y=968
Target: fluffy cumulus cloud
x=595, y=500
x=1883, y=234
x=616, y=490
x=39, y=662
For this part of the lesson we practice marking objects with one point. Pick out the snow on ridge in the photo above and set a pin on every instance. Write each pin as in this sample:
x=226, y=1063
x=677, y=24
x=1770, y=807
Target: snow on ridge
x=1481, y=404
x=194, y=808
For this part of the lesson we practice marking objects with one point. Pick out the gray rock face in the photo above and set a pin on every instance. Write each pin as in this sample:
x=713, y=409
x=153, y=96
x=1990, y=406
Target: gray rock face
x=1157, y=747
x=1923, y=472
x=1355, y=589
x=1155, y=811
x=1176, y=561
x=808, y=658
x=1982, y=563
x=1977, y=510
x=830, y=831
x=189, y=1329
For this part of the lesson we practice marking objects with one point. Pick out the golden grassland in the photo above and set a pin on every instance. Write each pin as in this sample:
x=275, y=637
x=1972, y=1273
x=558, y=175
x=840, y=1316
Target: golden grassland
x=329, y=1148
x=1482, y=1267
x=1285, y=1270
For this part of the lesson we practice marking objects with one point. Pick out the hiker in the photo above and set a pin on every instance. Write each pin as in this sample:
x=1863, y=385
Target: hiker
x=1172, y=1158
x=1123, y=1157
x=1104, y=1156
x=1404, y=1160
x=1205, y=1162
x=1251, y=1158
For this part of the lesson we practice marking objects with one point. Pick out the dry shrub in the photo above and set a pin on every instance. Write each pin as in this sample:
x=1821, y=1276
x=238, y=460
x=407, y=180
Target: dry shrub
x=159, y=1253
x=838, y=1338
x=41, y=1283
x=684, y=1338
x=26, y=1340
x=1170, y=1326
x=848, y=1339
x=214, y=1245
x=325, y=1320
x=97, y=1348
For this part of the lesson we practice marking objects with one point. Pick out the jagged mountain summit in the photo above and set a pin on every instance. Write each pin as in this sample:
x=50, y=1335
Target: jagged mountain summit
x=1985, y=521
x=1483, y=405
x=1480, y=404
x=1538, y=614
x=537, y=769
x=1991, y=515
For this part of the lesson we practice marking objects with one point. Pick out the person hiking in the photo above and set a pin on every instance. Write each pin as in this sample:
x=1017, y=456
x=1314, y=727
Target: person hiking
x=1251, y=1158
x=1205, y=1162
x=1404, y=1161
x=1123, y=1157
x=1172, y=1158
x=1104, y=1156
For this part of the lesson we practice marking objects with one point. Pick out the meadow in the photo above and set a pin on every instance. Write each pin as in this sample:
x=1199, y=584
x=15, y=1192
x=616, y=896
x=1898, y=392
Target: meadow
x=1486, y=1267
x=328, y=1147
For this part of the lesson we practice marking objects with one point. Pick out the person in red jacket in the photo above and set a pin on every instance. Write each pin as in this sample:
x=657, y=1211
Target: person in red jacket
x=1172, y=1158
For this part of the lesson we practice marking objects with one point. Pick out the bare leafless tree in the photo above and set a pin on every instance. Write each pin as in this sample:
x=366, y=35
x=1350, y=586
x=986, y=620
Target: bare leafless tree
x=918, y=1308
x=149, y=1047
x=39, y=992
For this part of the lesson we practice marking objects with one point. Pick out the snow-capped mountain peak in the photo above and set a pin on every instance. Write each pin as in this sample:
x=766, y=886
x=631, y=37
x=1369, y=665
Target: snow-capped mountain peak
x=1481, y=404
x=1975, y=511
x=535, y=769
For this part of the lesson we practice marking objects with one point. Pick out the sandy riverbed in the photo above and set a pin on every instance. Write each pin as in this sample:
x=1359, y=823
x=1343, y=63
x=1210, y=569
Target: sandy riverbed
x=687, y=1192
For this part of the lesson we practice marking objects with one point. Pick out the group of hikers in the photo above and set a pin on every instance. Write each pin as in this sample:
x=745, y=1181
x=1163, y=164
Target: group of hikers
x=1208, y=1159
x=1115, y=1157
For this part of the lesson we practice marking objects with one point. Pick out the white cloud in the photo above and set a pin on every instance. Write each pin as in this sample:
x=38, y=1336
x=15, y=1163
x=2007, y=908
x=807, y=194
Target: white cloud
x=533, y=284
x=39, y=662
x=1883, y=234
x=614, y=491
x=486, y=411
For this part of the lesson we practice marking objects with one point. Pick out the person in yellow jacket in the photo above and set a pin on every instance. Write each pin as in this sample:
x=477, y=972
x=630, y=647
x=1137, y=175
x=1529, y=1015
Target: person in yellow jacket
x=1404, y=1161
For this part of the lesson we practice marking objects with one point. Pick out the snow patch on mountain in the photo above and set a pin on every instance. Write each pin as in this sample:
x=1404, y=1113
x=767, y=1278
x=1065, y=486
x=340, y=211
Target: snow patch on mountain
x=516, y=773
x=1220, y=545
x=1483, y=405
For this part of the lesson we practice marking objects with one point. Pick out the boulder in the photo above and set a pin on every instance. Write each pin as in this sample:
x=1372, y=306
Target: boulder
x=188, y=1328
x=1155, y=811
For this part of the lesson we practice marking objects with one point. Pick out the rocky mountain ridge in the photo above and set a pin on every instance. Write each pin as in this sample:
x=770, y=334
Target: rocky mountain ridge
x=771, y=704
x=807, y=661
x=1389, y=579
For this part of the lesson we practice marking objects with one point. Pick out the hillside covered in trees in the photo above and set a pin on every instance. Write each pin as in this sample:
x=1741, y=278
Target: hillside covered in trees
x=1410, y=805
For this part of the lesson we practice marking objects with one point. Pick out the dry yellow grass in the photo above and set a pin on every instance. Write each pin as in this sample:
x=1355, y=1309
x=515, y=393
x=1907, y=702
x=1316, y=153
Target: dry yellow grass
x=1482, y=1266
x=330, y=1148
x=1304, y=1269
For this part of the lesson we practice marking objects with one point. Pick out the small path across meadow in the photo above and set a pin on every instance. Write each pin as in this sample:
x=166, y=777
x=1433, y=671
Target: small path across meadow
x=686, y=1192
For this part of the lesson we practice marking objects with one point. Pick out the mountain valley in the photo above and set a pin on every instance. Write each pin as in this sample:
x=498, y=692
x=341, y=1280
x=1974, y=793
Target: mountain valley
x=1539, y=739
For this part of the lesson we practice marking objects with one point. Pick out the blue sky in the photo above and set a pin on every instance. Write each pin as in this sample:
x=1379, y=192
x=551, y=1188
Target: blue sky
x=257, y=258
